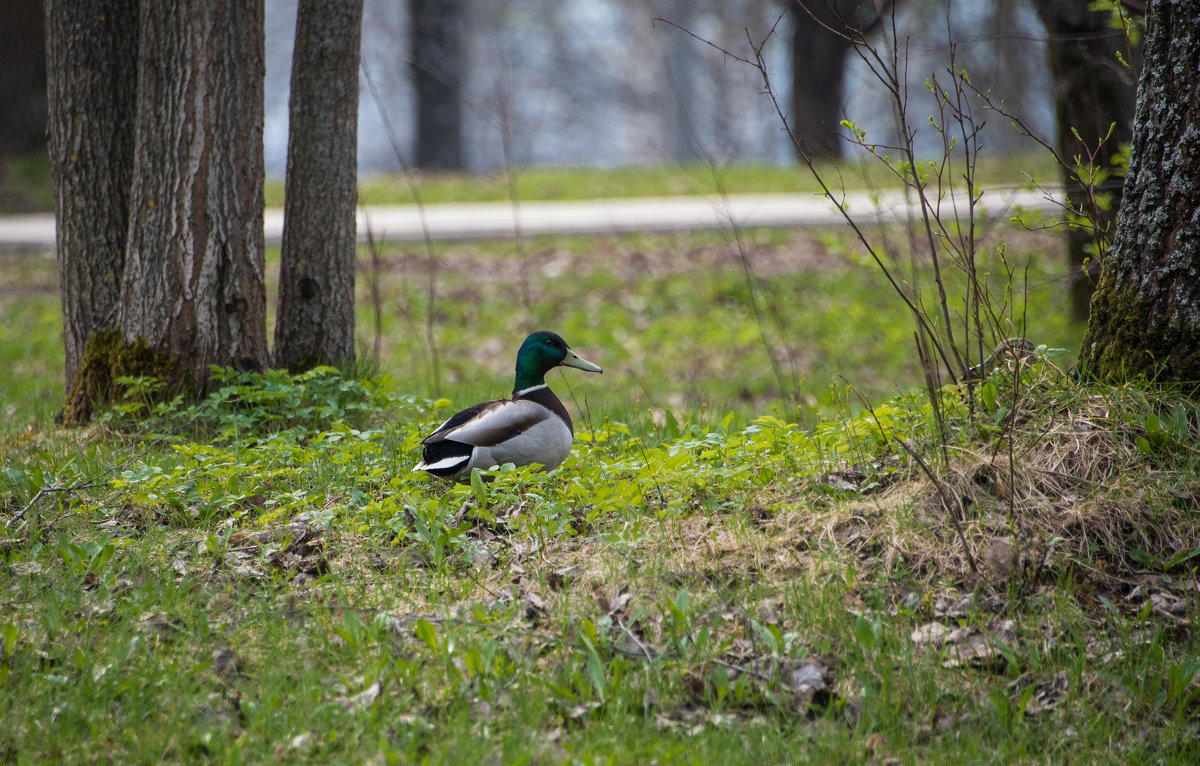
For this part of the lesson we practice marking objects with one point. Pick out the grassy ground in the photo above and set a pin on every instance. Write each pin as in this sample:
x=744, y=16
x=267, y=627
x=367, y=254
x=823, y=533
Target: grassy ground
x=25, y=182
x=734, y=565
x=672, y=319
x=648, y=181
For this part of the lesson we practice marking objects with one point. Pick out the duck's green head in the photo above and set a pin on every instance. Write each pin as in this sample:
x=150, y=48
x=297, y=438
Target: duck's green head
x=541, y=352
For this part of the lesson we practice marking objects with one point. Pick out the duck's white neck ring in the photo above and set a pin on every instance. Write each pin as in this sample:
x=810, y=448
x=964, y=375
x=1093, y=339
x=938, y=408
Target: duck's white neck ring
x=530, y=390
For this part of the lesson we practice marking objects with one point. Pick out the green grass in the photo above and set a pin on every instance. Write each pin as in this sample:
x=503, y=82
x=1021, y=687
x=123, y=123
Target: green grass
x=25, y=183
x=260, y=577
x=551, y=183
x=670, y=318
x=272, y=583
x=31, y=325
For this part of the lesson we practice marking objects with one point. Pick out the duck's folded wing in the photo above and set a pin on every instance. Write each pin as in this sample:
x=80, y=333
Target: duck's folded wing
x=455, y=421
x=492, y=423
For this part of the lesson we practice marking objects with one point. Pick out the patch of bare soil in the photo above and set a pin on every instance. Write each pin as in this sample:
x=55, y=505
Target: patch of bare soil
x=27, y=272
x=616, y=256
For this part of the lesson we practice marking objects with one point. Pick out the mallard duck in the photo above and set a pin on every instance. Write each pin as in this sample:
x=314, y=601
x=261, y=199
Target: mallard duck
x=531, y=427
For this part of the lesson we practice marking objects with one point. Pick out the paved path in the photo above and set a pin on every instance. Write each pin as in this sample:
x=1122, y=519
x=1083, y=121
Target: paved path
x=599, y=216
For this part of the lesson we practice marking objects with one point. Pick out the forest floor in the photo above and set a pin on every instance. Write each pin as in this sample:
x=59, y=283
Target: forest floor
x=770, y=545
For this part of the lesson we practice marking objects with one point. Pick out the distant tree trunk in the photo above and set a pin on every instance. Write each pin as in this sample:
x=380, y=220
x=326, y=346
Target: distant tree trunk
x=92, y=58
x=681, y=141
x=1146, y=310
x=437, y=75
x=819, y=48
x=22, y=78
x=315, y=323
x=193, y=281
x=1093, y=91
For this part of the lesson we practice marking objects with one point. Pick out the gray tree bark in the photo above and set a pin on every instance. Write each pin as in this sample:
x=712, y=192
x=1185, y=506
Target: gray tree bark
x=1093, y=91
x=193, y=280
x=1146, y=310
x=437, y=76
x=315, y=322
x=92, y=59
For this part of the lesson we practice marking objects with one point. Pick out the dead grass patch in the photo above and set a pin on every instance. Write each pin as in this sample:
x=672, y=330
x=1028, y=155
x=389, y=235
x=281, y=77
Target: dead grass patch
x=1074, y=490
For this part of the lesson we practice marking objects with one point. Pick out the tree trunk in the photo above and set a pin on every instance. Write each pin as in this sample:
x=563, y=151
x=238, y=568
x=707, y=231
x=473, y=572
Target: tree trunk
x=315, y=323
x=92, y=59
x=823, y=32
x=679, y=63
x=1146, y=310
x=437, y=76
x=1092, y=92
x=22, y=79
x=193, y=282
x=818, y=62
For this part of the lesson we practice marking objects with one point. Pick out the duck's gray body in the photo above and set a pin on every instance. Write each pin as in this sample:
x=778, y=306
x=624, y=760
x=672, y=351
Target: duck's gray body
x=531, y=428
x=524, y=430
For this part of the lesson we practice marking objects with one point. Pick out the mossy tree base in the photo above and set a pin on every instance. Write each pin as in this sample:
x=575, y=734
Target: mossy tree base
x=106, y=357
x=1127, y=338
x=1146, y=310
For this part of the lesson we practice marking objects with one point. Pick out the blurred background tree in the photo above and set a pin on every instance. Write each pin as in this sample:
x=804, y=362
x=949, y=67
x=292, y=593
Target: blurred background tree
x=820, y=49
x=1094, y=66
x=436, y=59
x=596, y=83
x=22, y=92
x=22, y=78
x=480, y=84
